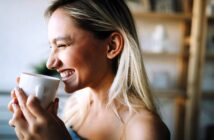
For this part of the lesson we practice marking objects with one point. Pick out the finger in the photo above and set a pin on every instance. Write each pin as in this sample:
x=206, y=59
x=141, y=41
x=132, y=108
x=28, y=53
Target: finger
x=56, y=105
x=17, y=80
x=17, y=115
x=19, y=134
x=18, y=122
x=53, y=107
x=50, y=107
x=36, y=109
x=12, y=94
x=58, y=120
x=13, y=101
x=22, y=99
x=9, y=106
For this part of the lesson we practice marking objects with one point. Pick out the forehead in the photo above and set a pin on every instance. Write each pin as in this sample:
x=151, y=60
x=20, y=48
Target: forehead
x=60, y=14
x=60, y=24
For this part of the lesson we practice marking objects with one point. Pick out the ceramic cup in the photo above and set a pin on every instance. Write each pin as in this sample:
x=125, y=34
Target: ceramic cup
x=44, y=87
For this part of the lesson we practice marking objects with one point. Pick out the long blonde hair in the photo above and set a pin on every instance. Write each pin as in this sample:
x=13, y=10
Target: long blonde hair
x=102, y=17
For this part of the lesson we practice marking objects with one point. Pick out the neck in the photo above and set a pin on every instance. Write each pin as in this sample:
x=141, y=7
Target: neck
x=100, y=91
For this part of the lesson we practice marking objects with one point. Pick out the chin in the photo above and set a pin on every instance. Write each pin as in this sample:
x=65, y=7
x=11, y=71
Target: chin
x=67, y=90
x=71, y=89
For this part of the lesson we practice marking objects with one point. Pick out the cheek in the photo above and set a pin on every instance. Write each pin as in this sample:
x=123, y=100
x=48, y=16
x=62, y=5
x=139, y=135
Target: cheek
x=67, y=58
x=83, y=59
x=72, y=58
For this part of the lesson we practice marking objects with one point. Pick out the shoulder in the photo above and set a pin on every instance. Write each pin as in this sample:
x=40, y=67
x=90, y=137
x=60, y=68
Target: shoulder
x=147, y=125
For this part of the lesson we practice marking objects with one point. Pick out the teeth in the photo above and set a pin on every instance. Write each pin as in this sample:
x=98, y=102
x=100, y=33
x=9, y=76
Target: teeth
x=66, y=73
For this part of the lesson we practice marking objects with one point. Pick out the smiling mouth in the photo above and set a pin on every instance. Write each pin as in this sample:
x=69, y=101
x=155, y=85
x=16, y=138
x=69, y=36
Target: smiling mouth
x=67, y=74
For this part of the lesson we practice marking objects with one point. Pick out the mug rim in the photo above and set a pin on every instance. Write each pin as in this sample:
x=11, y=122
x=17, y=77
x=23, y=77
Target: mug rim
x=41, y=76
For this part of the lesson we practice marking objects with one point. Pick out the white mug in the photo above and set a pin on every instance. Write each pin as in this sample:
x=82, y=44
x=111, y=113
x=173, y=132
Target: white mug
x=44, y=87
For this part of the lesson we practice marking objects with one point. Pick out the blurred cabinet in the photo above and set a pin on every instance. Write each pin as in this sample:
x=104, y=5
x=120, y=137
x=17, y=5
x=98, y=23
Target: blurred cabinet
x=207, y=113
x=6, y=132
x=163, y=27
x=208, y=73
x=177, y=41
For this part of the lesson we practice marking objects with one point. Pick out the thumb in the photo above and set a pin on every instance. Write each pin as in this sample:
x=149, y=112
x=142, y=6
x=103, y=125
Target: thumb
x=35, y=107
x=53, y=107
x=56, y=105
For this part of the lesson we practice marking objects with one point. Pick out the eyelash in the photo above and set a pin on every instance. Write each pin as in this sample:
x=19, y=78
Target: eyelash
x=60, y=46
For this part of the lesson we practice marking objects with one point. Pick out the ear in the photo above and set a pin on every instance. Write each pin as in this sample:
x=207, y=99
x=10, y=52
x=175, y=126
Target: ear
x=115, y=45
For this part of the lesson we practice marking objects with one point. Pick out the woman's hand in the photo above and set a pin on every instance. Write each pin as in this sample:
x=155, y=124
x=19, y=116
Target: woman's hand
x=32, y=122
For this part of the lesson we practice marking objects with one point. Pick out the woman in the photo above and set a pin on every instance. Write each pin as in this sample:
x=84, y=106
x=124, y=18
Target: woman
x=95, y=49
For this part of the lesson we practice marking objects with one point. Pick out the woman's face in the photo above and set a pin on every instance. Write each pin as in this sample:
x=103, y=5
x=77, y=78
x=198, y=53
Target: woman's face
x=76, y=54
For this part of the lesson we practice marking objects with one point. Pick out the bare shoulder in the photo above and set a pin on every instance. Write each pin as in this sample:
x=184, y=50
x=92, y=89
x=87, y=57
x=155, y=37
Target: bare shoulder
x=147, y=125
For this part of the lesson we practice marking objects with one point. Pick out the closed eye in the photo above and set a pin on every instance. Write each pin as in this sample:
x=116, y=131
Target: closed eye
x=61, y=46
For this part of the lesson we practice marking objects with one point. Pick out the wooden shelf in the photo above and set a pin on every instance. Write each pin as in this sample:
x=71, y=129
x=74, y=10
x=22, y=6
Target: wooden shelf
x=210, y=18
x=163, y=54
x=208, y=95
x=176, y=93
x=193, y=32
x=210, y=56
x=165, y=16
x=169, y=93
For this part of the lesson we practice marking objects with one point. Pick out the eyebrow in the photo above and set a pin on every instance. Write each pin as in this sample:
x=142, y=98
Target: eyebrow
x=62, y=38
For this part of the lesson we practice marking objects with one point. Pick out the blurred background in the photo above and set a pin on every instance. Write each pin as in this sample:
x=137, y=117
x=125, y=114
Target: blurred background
x=177, y=40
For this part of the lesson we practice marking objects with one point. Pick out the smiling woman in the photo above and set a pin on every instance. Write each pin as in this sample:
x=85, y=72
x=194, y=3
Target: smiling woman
x=95, y=49
x=76, y=53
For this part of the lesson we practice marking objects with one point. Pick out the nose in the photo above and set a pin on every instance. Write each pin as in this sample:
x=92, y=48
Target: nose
x=52, y=62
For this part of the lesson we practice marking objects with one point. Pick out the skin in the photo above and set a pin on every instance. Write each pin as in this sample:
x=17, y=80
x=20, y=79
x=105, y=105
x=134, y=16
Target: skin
x=89, y=60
